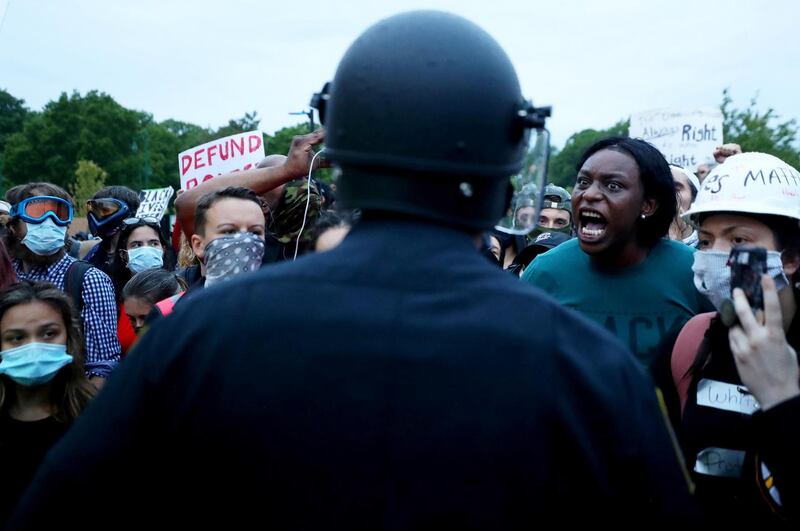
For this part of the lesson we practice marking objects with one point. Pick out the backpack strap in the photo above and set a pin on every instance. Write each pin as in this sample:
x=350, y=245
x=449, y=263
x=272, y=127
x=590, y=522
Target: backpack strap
x=685, y=351
x=73, y=282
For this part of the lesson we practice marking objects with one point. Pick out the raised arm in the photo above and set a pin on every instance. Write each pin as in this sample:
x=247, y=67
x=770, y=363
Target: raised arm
x=260, y=180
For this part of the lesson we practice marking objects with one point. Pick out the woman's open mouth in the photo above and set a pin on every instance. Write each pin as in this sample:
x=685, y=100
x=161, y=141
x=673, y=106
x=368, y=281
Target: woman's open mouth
x=592, y=225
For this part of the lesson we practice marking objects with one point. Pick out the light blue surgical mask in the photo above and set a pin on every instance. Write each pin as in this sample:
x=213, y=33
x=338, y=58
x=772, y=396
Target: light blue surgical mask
x=144, y=258
x=45, y=238
x=34, y=363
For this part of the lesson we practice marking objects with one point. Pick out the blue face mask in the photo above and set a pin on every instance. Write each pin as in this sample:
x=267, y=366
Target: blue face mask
x=144, y=258
x=45, y=238
x=34, y=363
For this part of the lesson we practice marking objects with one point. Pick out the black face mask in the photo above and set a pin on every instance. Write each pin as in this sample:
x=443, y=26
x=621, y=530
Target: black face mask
x=541, y=230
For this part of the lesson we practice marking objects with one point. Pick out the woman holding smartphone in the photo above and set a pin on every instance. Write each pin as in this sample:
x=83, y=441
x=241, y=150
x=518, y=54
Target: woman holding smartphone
x=740, y=398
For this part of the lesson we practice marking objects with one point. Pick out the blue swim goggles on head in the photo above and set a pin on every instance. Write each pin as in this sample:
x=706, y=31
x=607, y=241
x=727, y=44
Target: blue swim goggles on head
x=38, y=208
x=105, y=214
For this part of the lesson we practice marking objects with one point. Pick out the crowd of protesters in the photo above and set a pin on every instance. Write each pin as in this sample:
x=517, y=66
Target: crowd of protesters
x=639, y=249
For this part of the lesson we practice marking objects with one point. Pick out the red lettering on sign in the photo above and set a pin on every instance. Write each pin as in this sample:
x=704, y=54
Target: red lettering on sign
x=208, y=177
x=197, y=162
x=235, y=146
x=254, y=142
x=248, y=167
x=224, y=151
x=210, y=152
x=191, y=183
x=186, y=163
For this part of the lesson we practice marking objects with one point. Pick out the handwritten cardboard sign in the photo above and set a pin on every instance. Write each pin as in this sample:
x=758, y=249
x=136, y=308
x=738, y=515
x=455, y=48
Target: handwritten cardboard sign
x=685, y=138
x=224, y=155
x=153, y=202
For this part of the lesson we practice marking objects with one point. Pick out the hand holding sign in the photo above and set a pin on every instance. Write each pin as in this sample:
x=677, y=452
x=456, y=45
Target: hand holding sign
x=767, y=364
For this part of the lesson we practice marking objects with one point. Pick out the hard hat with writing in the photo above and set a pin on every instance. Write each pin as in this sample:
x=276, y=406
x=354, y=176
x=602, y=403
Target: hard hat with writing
x=750, y=183
x=425, y=117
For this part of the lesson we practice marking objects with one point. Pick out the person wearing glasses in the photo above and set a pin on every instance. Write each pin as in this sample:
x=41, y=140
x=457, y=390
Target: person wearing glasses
x=39, y=218
x=105, y=213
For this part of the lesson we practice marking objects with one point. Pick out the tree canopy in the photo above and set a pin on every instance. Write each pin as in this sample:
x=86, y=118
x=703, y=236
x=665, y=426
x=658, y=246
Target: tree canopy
x=136, y=151
x=129, y=145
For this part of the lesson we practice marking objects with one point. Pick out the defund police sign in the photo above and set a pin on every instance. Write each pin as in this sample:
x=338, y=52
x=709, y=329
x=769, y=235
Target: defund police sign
x=224, y=155
x=685, y=138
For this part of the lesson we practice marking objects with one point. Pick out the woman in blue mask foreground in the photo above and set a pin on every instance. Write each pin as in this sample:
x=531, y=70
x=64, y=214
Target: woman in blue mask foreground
x=739, y=389
x=42, y=383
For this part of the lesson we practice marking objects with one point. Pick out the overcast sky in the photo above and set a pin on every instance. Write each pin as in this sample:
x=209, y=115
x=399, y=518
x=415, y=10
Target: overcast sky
x=208, y=61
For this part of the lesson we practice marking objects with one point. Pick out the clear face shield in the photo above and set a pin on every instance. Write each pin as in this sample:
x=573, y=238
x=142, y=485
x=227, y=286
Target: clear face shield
x=522, y=216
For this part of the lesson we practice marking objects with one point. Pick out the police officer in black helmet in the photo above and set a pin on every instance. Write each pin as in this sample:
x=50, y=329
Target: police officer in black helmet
x=398, y=381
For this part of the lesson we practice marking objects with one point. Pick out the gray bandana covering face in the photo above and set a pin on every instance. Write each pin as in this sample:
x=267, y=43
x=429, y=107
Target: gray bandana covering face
x=231, y=255
x=712, y=274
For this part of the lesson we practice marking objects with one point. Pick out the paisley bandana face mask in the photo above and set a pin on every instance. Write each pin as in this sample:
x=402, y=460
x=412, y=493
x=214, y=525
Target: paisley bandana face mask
x=231, y=255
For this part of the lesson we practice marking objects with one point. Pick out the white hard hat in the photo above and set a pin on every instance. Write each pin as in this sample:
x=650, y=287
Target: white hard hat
x=752, y=183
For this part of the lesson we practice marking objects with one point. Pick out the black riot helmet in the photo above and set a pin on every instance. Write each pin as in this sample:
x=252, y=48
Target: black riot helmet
x=425, y=117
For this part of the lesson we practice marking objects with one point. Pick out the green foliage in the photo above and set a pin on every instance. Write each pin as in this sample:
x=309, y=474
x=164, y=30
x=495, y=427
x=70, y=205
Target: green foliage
x=249, y=122
x=561, y=169
x=279, y=143
x=89, y=178
x=13, y=114
x=762, y=132
x=72, y=128
x=187, y=135
x=140, y=153
x=136, y=151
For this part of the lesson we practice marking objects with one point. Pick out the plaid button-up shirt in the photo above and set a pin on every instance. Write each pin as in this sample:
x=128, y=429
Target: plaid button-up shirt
x=99, y=312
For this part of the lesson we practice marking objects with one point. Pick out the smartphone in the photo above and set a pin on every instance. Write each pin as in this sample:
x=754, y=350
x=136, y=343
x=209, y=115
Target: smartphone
x=747, y=264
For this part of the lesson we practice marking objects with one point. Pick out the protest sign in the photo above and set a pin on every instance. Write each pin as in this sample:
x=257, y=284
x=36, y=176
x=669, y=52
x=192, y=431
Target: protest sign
x=685, y=138
x=224, y=155
x=154, y=202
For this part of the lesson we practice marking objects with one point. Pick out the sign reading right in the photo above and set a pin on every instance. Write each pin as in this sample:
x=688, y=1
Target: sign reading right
x=685, y=138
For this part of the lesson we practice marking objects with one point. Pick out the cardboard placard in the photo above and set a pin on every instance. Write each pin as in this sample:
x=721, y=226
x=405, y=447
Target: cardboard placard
x=685, y=138
x=218, y=157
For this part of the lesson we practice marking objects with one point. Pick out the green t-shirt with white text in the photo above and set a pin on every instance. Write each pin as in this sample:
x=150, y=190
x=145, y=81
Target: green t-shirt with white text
x=645, y=305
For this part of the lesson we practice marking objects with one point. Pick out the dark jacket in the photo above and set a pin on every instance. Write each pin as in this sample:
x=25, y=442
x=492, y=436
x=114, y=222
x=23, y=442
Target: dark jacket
x=399, y=381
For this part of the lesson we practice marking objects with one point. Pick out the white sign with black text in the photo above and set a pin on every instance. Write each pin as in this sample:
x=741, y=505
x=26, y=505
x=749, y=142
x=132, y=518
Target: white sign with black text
x=154, y=202
x=685, y=138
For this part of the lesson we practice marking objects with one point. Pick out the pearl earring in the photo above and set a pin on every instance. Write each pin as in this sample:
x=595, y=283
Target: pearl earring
x=643, y=216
